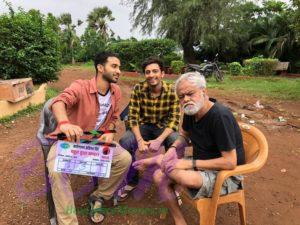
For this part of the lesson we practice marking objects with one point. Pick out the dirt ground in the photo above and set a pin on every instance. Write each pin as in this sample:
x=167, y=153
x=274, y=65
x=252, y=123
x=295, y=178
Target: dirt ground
x=272, y=194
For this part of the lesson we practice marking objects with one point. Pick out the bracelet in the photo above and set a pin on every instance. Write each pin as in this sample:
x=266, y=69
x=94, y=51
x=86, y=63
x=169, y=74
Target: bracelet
x=62, y=122
x=140, y=139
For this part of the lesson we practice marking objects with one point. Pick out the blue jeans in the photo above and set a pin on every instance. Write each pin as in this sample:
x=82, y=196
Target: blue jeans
x=148, y=132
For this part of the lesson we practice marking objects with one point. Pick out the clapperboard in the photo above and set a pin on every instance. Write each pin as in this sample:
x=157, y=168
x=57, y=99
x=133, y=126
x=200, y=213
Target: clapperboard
x=89, y=157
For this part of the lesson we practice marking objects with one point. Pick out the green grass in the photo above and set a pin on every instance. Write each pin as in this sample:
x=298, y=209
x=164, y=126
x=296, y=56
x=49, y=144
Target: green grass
x=87, y=65
x=270, y=87
x=280, y=88
x=50, y=93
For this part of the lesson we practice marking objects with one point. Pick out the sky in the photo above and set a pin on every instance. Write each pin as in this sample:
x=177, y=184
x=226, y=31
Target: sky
x=79, y=9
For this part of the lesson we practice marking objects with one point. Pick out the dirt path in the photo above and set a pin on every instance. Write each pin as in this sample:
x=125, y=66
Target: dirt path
x=272, y=194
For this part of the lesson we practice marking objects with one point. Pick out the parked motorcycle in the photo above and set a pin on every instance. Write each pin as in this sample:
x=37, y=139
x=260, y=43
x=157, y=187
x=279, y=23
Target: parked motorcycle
x=210, y=68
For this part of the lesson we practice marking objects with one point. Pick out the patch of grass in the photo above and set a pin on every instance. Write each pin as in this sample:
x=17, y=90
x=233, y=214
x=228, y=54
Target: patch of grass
x=87, y=65
x=50, y=93
x=272, y=87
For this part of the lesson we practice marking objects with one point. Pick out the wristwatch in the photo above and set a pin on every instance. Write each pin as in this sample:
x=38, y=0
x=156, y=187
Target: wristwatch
x=194, y=165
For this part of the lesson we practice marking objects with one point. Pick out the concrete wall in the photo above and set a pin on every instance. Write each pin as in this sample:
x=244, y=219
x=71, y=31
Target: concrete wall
x=8, y=108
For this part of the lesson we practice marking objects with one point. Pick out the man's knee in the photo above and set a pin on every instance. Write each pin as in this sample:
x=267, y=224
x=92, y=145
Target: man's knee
x=170, y=139
x=125, y=160
x=127, y=140
x=58, y=178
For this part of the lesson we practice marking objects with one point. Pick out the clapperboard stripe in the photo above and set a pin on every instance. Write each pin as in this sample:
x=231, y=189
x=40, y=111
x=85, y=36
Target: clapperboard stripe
x=95, y=134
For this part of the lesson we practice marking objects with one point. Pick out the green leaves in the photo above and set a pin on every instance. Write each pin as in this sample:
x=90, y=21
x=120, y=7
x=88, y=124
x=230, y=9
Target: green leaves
x=235, y=68
x=29, y=47
x=132, y=53
x=261, y=66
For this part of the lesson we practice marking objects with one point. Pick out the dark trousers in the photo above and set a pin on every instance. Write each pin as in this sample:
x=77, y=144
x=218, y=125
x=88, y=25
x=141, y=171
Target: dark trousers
x=148, y=132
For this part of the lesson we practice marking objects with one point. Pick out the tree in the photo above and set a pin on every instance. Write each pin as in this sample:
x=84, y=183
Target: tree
x=296, y=24
x=272, y=34
x=132, y=52
x=98, y=19
x=91, y=44
x=188, y=22
x=68, y=36
x=29, y=46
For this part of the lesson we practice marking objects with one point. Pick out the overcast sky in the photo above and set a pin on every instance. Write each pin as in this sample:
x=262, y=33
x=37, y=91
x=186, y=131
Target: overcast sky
x=79, y=9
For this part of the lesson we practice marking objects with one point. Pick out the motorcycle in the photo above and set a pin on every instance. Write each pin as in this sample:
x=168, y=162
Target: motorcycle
x=210, y=68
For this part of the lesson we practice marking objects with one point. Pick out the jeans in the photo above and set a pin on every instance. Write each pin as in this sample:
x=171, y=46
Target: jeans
x=148, y=132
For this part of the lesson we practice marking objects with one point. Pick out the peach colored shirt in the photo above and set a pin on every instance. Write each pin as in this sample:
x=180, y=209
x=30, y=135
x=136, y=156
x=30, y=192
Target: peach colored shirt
x=81, y=100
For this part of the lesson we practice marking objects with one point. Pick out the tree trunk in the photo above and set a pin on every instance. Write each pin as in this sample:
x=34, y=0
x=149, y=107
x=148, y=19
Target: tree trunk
x=188, y=53
x=72, y=52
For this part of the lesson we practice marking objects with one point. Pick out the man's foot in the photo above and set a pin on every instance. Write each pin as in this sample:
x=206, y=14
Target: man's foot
x=96, y=204
x=97, y=217
x=124, y=192
x=144, y=163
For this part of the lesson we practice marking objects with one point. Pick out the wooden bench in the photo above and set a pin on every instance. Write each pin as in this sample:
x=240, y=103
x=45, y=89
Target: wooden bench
x=282, y=67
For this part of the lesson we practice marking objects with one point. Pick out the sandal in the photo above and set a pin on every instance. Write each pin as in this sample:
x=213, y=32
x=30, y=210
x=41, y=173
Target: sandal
x=124, y=192
x=99, y=201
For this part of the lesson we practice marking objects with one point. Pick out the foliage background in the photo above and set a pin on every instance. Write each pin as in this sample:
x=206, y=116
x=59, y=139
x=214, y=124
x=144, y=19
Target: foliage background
x=29, y=46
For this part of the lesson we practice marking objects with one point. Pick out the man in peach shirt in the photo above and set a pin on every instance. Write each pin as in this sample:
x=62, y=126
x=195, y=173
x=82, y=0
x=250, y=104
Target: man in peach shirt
x=89, y=105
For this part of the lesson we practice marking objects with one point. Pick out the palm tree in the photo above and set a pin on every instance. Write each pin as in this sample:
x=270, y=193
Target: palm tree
x=275, y=37
x=98, y=19
x=69, y=32
x=272, y=30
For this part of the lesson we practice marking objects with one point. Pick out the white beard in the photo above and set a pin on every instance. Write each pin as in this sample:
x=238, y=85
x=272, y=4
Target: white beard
x=192, y=108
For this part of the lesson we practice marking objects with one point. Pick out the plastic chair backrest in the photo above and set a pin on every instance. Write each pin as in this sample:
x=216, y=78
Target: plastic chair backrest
x=255, y=144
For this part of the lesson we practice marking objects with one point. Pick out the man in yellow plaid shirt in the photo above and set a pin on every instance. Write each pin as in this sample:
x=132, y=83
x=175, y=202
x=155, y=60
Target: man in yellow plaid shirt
x=154, y=115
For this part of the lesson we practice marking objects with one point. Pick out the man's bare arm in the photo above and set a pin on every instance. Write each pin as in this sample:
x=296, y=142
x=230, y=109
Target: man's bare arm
x=228, y=161
x=73, y=132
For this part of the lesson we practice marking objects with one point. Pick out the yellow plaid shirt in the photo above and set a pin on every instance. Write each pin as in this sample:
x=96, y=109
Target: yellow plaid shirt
x=163, y=111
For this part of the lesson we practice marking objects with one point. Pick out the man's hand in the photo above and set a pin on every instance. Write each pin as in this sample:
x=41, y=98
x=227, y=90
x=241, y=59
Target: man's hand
x=143, y=145
x=170, y=155
x=181, y=164
x=142, y=164
x=109, y=137
x=73, y=132
x=155, y=144
x=170, y=158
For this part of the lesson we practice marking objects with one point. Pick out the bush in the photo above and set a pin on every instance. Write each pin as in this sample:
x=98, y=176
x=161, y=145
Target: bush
x=177, y=66
x=132, y=53
x=29, y=46
x=247, y=70
x=167, y=59
x=223, y=66
x=261, y=66
x=235, y=68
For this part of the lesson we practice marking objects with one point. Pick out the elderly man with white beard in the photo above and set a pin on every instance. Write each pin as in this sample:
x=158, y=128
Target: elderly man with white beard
x=217, y=145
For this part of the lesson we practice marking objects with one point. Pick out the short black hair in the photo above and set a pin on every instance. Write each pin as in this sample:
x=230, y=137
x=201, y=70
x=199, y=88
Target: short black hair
x=101, y=58
x=152, y=60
